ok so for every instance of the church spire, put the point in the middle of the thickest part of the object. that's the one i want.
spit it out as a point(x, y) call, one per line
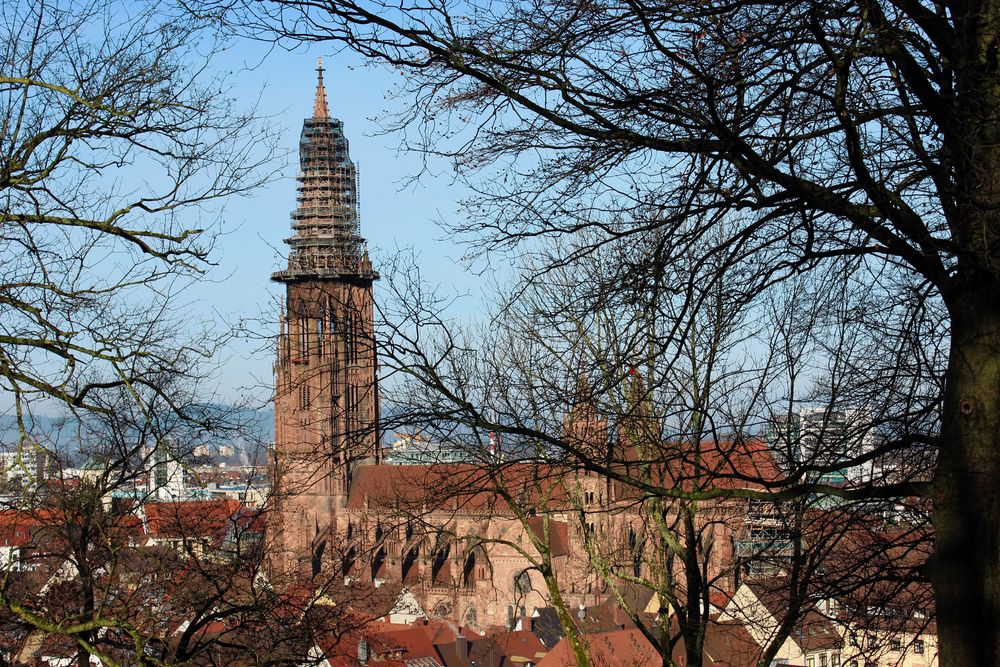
point(326, 236)
point(320, 109)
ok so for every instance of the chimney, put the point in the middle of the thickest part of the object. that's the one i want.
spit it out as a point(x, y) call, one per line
point(462, 647)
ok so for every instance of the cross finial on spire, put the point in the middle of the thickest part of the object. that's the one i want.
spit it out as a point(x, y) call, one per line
point(320, 110)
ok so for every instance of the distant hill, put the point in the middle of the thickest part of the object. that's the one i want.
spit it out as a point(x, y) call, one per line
point(247, 431)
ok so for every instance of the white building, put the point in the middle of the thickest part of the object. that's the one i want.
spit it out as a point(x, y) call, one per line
point(24, 466)
point(827, 438)
point(166, 473)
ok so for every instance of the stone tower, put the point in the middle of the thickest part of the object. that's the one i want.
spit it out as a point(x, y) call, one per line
point(326, 391)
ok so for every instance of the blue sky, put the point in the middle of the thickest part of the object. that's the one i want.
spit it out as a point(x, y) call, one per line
point(394, 214)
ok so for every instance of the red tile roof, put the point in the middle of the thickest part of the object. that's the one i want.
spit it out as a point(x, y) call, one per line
point(729, 645)
point(406, 642)
point(463, 487)
point(190, 519)
point(16, 528)
point(519, 644)
point(623, 648)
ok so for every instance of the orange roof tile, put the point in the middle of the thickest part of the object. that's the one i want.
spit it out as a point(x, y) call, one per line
point(189, 519)
point(625, 648)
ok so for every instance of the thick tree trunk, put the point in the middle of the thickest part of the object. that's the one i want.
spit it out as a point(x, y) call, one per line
point(965, 569)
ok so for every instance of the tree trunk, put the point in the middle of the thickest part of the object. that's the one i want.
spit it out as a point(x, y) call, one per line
point(965, 569)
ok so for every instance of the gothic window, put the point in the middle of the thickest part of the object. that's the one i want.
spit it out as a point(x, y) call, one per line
point(440, 571)
point(378, 564)
point(304, 397)
point(347, 565)
point(409, 571)
point(320, 333)
point(469, 573)
point(356, 321)
point(349, 337)
point(303, 339)
point(522, 583)
point(354, 324)
point(317, 557)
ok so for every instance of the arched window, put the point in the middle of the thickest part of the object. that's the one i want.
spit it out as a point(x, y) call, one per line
point(348, 563)
point(409, 571)
point(303, 339)
point(441, 569)
point(378, 564)
point(320, 333)
point(469, 573)
point(522, 583)
point(470, 617)
point(317, 557)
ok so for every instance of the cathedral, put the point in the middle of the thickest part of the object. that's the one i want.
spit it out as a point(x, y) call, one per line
point(465, 548)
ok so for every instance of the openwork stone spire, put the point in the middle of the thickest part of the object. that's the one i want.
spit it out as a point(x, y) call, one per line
point(326, 238)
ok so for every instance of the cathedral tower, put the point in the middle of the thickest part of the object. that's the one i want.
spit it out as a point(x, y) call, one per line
point(326, 391)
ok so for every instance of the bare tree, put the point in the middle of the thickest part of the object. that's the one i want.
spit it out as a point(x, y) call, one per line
point(116, 141)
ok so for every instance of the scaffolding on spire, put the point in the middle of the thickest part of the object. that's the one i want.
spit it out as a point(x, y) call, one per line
point(326, 239)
